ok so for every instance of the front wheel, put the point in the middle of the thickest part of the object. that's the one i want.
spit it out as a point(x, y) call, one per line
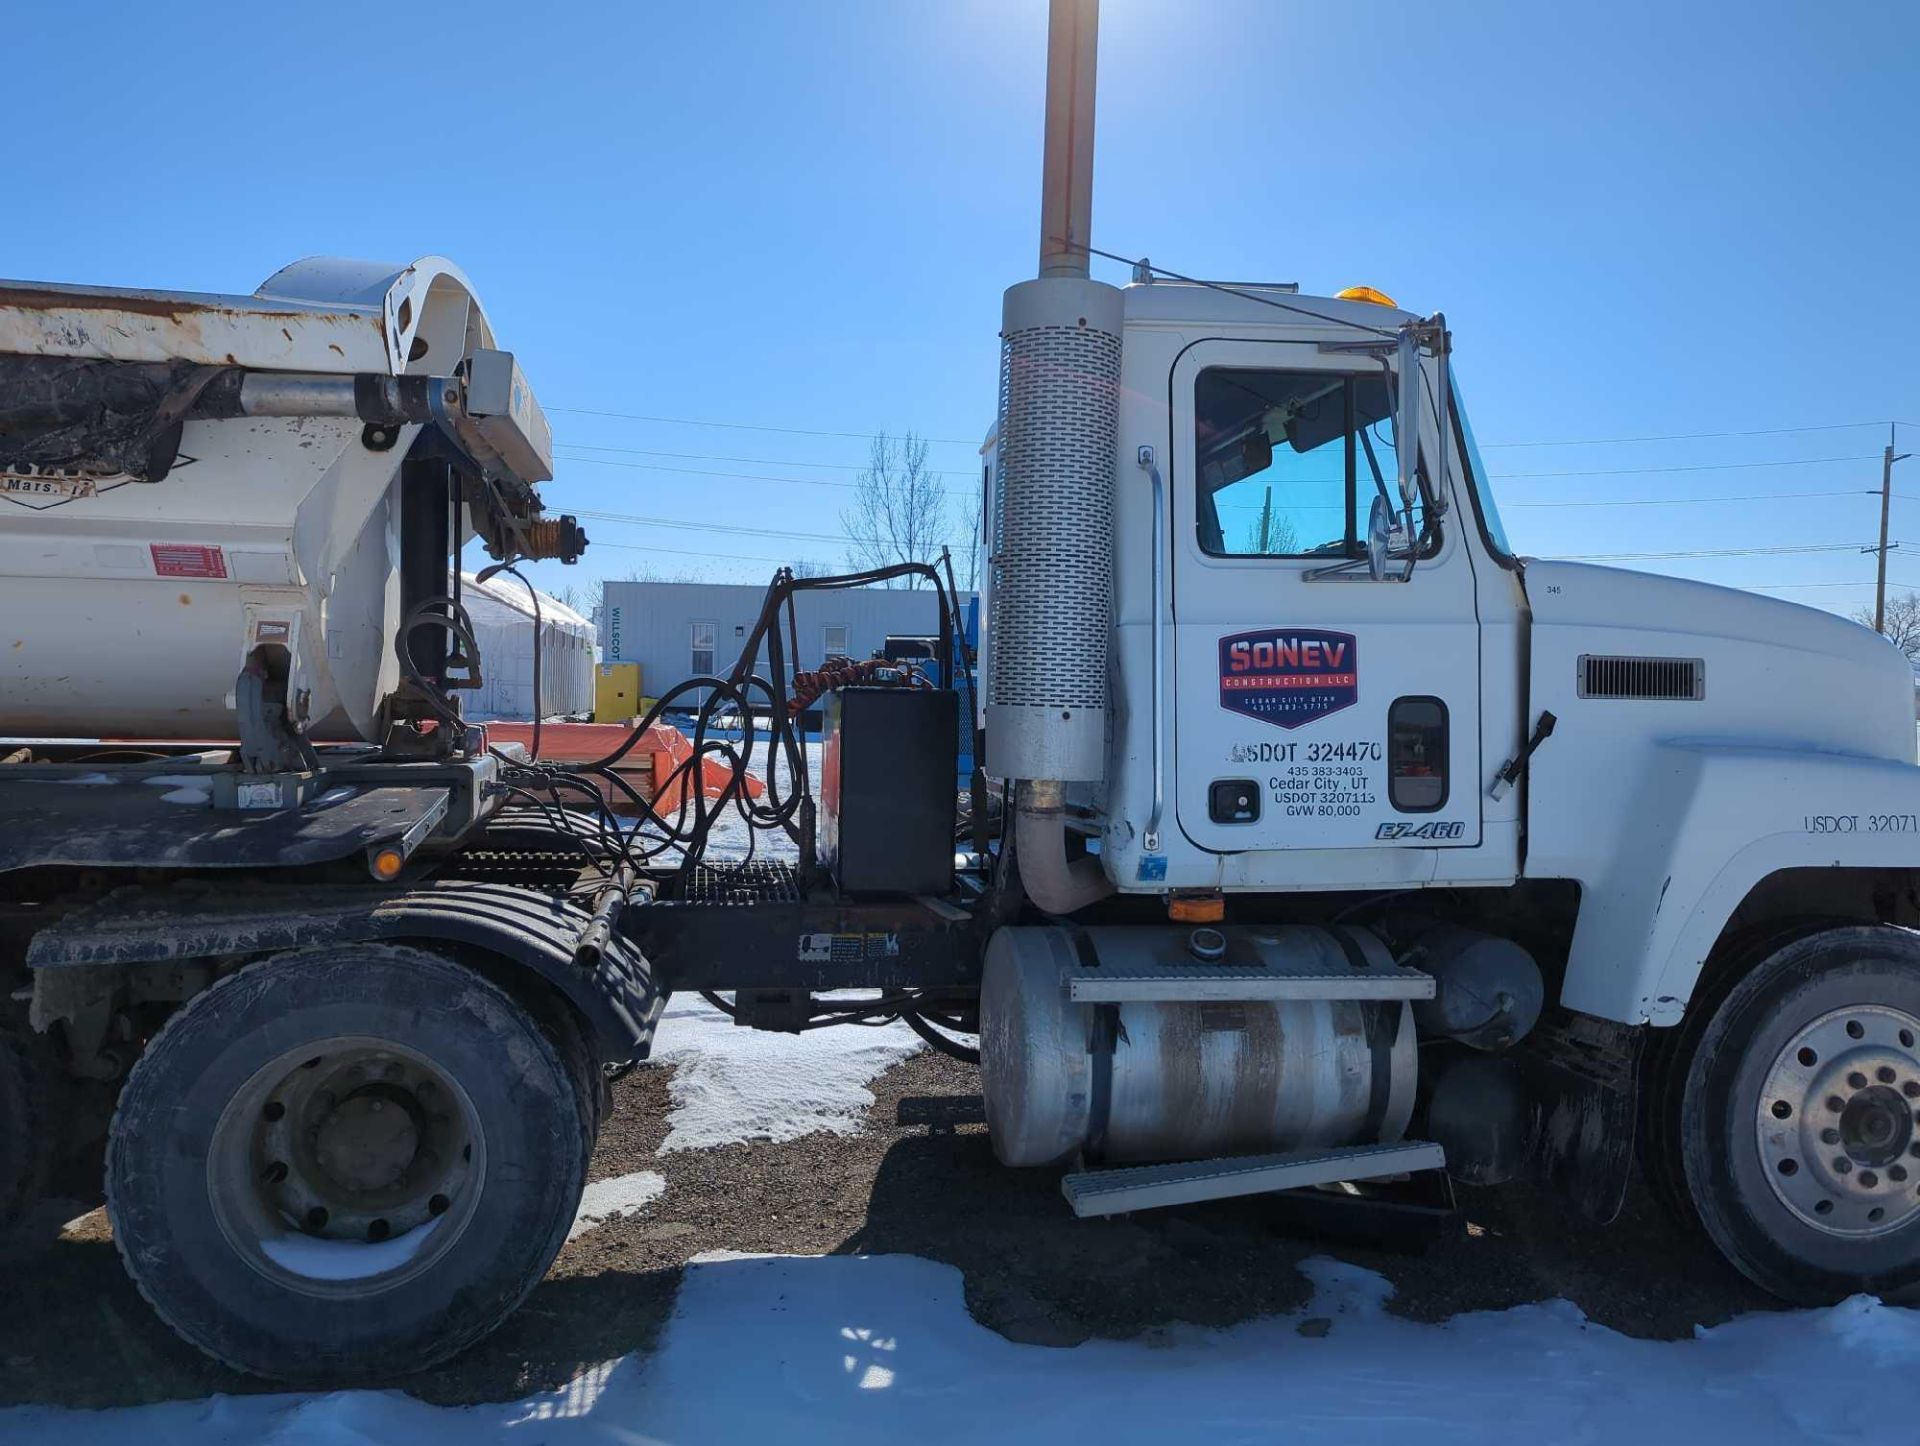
point(348, 1162)
point(1797, 1124)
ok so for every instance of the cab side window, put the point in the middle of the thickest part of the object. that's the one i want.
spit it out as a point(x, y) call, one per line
point(1288, 462)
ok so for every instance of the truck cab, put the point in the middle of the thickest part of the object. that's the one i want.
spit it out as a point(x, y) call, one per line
point(1259, 648)
point(1288, 717)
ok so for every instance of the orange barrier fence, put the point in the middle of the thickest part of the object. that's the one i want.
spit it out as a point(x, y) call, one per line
point(653, 767)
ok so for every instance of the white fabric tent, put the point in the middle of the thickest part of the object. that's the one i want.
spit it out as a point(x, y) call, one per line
point(503, 626)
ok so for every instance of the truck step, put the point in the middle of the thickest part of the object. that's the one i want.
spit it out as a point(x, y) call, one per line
point(1123, 982)
point(1148, 1187)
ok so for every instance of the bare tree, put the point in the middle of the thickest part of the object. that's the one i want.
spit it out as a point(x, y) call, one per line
point(899, 510)
point(808, 567)
point(1902, 625)
point(648, 572)
point(1271, 533)
point(968, 564)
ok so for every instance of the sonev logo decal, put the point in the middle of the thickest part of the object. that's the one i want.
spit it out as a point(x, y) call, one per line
point(1288, 676)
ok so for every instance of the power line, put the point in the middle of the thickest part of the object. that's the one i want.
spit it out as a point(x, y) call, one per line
point(1588, 557)
point(1694, 467)
point(634, 520)
point(756, 461)
point(686, 552)
point(968, 492)
point(1685, 436)
point(739, 476)
point(975, 442)
point(1560, 557)
point(954, 472)
point(749, 426)
point(1678, 501)
point(630, 519)
point(1708, 552)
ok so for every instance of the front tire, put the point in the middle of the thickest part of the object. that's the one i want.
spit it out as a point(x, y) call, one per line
point(1797, 1128)
point(344, 1163)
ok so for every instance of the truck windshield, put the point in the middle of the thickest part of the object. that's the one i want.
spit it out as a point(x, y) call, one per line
point(1491, 527)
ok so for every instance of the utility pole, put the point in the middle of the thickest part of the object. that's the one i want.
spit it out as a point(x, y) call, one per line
point(1887, 459)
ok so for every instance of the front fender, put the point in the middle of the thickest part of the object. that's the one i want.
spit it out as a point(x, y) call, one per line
point(1710, 821)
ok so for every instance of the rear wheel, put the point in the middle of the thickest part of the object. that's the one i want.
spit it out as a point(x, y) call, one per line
point(1797, 1127)
point(346, 1162)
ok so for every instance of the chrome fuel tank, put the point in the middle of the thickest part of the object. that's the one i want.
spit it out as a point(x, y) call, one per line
point(1181, 1079)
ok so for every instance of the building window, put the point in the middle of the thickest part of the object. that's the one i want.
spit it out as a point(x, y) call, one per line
point(702, 649)
point(833, 640)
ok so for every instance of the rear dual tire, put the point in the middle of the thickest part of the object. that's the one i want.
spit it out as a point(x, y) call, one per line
point(347, 1163)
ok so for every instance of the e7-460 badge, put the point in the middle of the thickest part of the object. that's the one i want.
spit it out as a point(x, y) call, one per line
point(1401, 832)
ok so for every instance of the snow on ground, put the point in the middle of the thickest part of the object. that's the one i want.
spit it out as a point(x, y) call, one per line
point(844, 1349)
point(605, 1200)
point(732, 1084)
point(729, 836)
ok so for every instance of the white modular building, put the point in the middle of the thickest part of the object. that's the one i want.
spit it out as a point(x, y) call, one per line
point(677, 630)
point(503, 625)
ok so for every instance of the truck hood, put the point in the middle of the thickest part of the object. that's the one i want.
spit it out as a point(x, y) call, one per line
point(1773, 672)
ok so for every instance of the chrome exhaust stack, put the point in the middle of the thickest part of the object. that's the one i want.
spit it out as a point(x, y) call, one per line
point(1052, 528)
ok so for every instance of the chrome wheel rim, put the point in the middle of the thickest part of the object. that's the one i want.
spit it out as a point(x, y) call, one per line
point(346, 1167)
point(1839, 1122)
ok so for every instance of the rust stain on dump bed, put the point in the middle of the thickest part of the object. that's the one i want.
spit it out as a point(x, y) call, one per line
point(164, 308)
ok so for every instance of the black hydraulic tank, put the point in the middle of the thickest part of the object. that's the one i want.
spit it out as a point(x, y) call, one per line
point(887, 787)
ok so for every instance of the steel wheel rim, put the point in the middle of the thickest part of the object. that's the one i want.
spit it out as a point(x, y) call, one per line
point(1838, 1122)
point(346, 1167)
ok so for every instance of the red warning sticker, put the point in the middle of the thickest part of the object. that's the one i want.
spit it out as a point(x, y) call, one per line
point(187, 559)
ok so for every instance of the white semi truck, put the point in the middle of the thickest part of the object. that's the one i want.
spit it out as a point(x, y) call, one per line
point(1340, 845)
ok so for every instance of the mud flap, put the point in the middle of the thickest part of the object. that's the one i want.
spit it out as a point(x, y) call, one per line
point(1582, 1079)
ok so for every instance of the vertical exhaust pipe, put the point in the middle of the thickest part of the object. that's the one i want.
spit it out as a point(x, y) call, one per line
point(1066, 175)
point(1052, 590)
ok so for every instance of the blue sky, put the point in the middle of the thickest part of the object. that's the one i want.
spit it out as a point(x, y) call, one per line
point(1641, 220)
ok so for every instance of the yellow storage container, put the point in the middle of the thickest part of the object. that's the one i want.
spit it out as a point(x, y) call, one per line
point(616, 692)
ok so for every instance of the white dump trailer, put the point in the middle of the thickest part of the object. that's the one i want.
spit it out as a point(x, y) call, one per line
point(185, 477)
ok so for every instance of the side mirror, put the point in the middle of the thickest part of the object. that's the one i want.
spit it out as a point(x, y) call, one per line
point(1406, 415)
point(1379, 538)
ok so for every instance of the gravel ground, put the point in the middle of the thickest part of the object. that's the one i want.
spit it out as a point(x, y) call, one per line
point(919, 1180)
